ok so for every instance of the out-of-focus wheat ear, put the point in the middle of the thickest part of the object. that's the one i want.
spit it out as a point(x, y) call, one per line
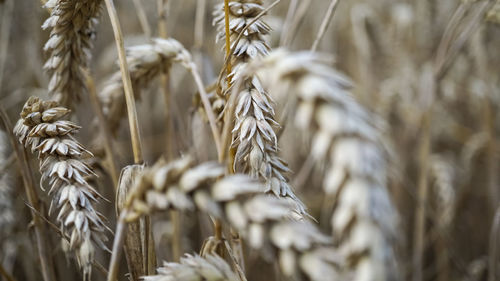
point(253, 137)
point(264, 221)
point(145, 63)
point(349, 139)
point(194, 267)
point(72, 25)
point(42, 128)
point(133, 246)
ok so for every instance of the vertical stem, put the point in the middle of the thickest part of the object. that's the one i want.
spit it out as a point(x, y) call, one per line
point(324, 24)
point(127, 83)
point(103, 127)
point(228, 41)
point(143, 19)
point(419, 240)
point(493, 247)
point(149, 258)
point(44, 254)
point(117, 247)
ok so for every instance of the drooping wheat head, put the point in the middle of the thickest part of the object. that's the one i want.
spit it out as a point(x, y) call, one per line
point(145, 63)
point(346, 136)
point(264, 221)
point(72, 24)
point(254, 136)
point(43, 129)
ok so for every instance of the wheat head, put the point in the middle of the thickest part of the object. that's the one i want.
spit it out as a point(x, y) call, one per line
point(43, 129)
point(348, 138)
point(264, 221)
point(254, 136)
point(72, 24)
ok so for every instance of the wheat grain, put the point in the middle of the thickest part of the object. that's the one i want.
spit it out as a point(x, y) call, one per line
point(209, 268)
point(254, 137)
point(43, 129)
point(264, 221)
point(348, 137)
point(72, 24)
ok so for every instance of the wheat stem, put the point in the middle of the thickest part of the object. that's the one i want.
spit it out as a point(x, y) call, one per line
point(44, 253)
point(324, 24)
point(120, 233)
point(228, 42)
point(143, 19)
point(5, 35)
point(127, 83)
point(103, 127)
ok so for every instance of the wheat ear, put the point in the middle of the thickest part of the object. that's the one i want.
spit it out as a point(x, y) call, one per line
point(264, 221)
point(254, 137)
point(145, 63)
point(348, 137)
point(209, 268)
point(72, 24)
point(43, 129)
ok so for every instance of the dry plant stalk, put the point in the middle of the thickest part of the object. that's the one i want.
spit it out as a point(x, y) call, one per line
point(6, 192)
point(209, 268)
point(264, 221)
point(133, 242)
point(346, 136)
point(43, 130)
point(254, 136)
point(72, 24)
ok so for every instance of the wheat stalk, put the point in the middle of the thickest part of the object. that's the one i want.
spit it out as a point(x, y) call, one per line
point(264, 221)
point(254, 137)
point(6, 194)
point(194, 267)
point(72, 24)
point(348, 138)
point(43, 129)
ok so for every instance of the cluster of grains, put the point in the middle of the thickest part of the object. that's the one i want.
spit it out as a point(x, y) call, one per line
point(264, 221)
point(6, 206)
point(145, 63)
point(348, 138)
point(254, 137)
point(43, 129)
point(72, 24)
point(209, 268)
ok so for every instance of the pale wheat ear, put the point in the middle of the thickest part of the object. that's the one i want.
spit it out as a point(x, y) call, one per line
point(263, 221)
point(254, 140)
point(349, 139)
point(72, 25)
point(43, 128)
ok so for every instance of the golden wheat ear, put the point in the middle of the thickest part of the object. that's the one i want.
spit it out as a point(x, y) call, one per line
point(349, 139)
point(43, 129)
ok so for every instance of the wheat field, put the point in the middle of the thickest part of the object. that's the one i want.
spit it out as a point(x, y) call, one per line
point(190, 140)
